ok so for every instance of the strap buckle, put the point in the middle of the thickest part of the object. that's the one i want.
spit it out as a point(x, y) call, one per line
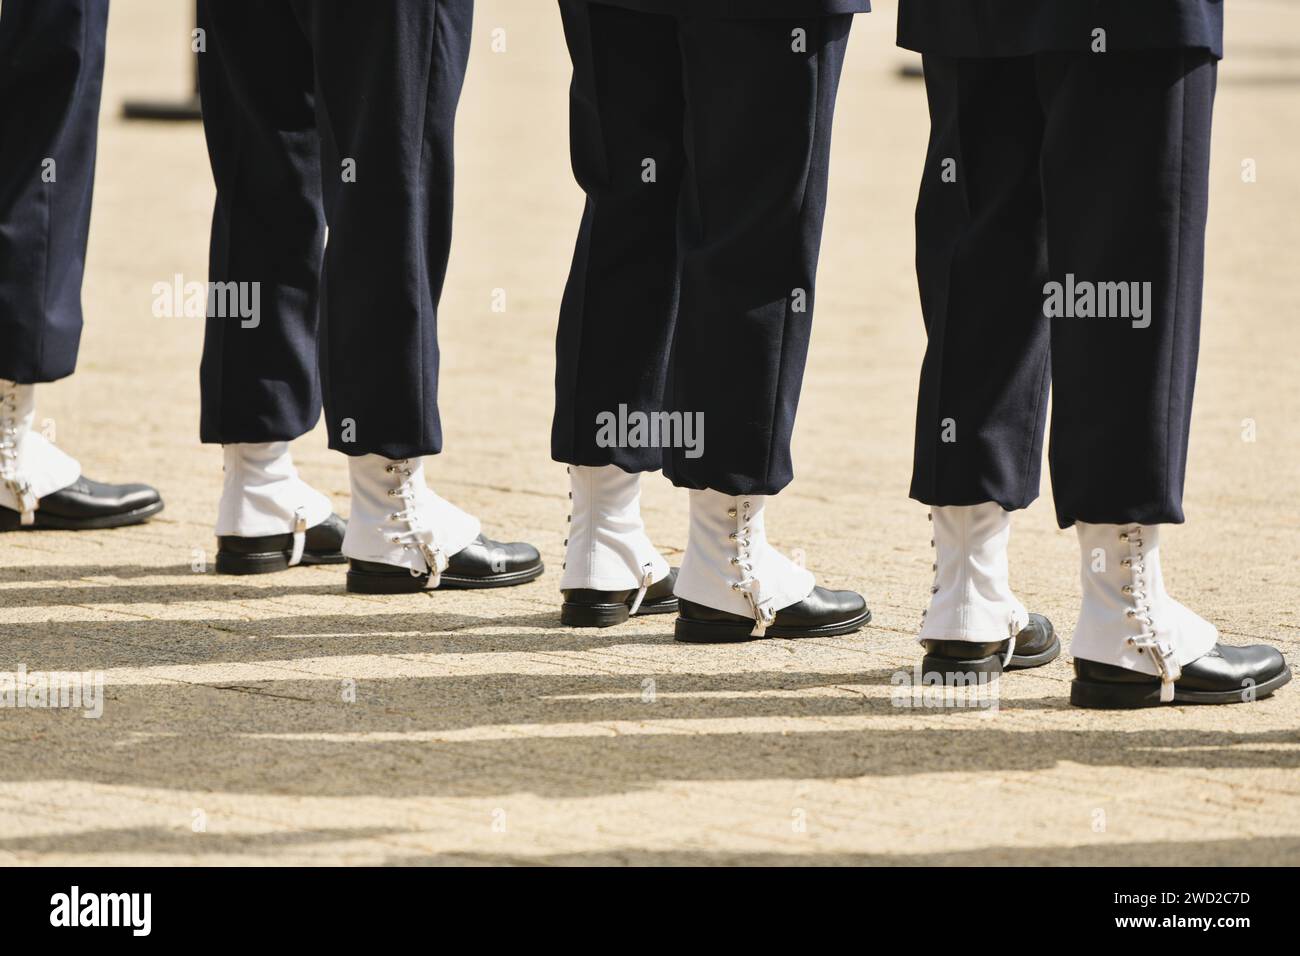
point(1162, 653)
point(299, 538)
point(27, 502)
point(647, 579)
point(434, 556)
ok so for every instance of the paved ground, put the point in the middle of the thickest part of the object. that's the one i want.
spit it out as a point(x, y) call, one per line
point(484, 732)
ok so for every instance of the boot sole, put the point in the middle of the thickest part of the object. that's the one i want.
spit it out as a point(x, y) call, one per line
point(1020, 662)
point(723, 632)
point(366, 582)
point(267, 562)
point(453, 582)
point(10, 520)
point(607, 615)
point(1104, 695)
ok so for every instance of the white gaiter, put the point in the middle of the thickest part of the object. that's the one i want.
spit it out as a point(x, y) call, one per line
point(607, 548)
point(1127, 617)
point(396, 519)
point(262, 493)
point(729, 565)
point(971, 597)
point(31, 467)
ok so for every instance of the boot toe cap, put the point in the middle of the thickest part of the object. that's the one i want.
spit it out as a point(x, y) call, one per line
point(1257, 662)
point(513, 555)
point(86, 498)
point(1037, 636)
point(484, 557)
point(823, 606)
point(328, 535)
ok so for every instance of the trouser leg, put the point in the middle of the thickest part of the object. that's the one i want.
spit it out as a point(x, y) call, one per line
point(1125, 178)
point(760, 97)
point(259, 376)
point(388, 79)
point(51, 69)
point(616, 318)
point(981, 263)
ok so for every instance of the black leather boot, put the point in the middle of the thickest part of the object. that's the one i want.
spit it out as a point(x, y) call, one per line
point(261, 555)
point(824, 613)
point(1224, 675)
point(484, 563)
point(1036, 645)
point(87, 505)
point(584, 607)
point(31, 465)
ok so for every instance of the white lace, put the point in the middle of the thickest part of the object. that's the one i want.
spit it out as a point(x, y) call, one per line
point(421, 539)
point(568, 521)
point(9, 439)
point(749, 585)
point(934, 566)
point(1162, 651)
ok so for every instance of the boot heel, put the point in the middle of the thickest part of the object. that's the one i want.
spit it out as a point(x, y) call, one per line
point(593, 615)
point(959, 673)
point(711, 632)
point(365, 582)
point(232, 562)
point(1099, 695)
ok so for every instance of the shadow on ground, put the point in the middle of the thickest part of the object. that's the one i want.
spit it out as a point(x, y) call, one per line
point(302, 738)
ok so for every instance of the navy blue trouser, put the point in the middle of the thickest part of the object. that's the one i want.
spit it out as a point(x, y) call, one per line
point(1061, 165)
point(692, 281)
point(335, 114)
point(51, 70)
